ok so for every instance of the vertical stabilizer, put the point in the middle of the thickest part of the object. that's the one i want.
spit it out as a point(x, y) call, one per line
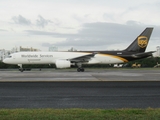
point(141, 42)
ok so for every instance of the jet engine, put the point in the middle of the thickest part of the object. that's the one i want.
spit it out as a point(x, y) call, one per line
point(63, 64)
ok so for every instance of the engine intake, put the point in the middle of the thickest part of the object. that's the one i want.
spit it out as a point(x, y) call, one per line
point(63, 64)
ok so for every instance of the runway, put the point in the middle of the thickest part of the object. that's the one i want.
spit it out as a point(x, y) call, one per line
point(106, 95)
point(89, 75)
point(108, 89)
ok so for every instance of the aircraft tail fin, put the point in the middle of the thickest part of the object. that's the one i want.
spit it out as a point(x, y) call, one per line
point(141, 42)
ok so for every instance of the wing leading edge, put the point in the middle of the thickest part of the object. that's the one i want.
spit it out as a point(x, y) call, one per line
point(82, 59)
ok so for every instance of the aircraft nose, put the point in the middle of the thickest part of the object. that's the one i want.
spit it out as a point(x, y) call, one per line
point(5, 61)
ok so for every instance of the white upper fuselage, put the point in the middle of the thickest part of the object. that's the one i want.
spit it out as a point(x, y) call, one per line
point(51, 57)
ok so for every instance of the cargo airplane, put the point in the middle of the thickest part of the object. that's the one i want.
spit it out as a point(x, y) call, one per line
point(136, 50)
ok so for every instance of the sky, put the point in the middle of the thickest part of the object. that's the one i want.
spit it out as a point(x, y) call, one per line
point(81, 24)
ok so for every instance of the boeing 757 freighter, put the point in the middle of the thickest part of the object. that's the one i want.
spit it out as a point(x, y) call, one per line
point(136, 50)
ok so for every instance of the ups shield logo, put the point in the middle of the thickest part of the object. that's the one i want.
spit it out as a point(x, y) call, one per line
point(142, 41)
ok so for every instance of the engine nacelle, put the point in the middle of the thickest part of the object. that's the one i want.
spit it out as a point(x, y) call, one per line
point(63, 64)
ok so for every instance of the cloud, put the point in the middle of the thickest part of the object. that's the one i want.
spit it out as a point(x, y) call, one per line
point(41, 22)
point(46, 44)
point(21, 20)
point(98, 34)
point(77, 23)
point(134, 23)
point(52, 34)
point(3, 30)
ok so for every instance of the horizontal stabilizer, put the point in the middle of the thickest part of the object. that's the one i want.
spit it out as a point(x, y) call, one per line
point(141, 55)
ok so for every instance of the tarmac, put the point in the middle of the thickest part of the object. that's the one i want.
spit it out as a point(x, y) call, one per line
point(89, 75)
point(95, 88)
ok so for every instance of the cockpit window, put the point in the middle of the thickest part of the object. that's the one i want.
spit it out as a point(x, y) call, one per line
point(9, 56)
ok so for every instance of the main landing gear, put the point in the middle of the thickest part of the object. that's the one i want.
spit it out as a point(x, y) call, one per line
point(80, 69)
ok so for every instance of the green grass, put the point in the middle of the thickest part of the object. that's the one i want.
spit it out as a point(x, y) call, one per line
point(80, 114)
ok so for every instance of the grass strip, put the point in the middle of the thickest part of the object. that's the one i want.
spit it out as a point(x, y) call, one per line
point(80, 114)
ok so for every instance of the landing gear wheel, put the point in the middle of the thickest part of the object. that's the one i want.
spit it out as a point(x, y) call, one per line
point(80, 69)
point(21, 70)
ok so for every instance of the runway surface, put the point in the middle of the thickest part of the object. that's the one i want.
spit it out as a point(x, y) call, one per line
point(89, 75)
point(106, 95)
point(112, 88)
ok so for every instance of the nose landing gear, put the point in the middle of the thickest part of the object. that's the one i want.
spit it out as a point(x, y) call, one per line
point(20, 67)
point(80, 69)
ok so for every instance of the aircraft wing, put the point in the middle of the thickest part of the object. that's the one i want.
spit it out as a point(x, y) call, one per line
point(84, 58)
point(139, 55)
